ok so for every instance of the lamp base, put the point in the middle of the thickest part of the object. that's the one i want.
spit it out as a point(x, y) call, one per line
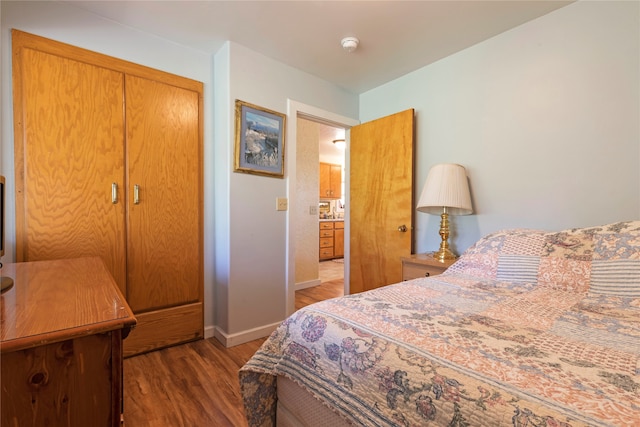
point(444, 254)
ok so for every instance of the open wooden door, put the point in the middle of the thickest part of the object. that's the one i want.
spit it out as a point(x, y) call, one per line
point(381, 200)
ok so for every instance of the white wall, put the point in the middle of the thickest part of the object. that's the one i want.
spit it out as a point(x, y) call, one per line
point(545, 118)
point(251, 236)
point(307, 233)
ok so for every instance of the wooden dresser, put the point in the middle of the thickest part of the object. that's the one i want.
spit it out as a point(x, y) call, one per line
point(62, 325)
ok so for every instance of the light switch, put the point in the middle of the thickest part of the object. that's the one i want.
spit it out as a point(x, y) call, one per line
point(282, 204)
point(313, 210)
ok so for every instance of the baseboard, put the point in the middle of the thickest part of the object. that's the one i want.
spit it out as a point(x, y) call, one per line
point(209, 332)
point(230, 340)
point(307, 284)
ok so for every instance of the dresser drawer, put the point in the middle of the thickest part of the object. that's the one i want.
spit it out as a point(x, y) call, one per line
point(422, 265)
point(326, 253)
point(326, 233)
point(326, 243)
point(327, 225)
point(413, 271)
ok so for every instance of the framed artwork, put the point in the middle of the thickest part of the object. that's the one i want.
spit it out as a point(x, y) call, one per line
point(259, 140)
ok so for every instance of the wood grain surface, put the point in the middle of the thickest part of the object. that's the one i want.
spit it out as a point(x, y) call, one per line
point(86, 123)
point(69, 151)
point(58, 300)
point(381, 198)
point(62, 328)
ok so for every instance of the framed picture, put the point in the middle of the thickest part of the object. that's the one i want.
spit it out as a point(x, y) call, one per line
point(259, 140)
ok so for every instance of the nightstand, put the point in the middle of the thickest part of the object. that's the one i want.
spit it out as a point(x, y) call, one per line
point(422, 265)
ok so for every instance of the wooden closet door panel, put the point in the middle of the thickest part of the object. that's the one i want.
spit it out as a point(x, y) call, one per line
point(69, 150)
point(165, 227)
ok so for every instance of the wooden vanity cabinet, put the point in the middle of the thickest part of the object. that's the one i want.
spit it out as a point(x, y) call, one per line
point(338, 239)
point(331, 240)
point(326, 240)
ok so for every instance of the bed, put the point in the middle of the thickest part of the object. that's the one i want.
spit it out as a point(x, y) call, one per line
point(527, 328)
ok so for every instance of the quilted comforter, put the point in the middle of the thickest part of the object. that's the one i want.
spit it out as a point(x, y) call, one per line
point(527, 328)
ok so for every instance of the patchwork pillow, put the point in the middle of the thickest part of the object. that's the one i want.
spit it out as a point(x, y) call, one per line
point(519, 259)
point(616, 260)
point(566, 260)
point(507, 255)
point(599, 260)
point(616, 277)
point(479, 260)
point(518, 268)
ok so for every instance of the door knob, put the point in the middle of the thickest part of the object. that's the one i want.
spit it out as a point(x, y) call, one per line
point(402, 228)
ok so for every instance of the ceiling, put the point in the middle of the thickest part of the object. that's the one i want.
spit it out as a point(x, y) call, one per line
point(396, 37)
point(326, 135)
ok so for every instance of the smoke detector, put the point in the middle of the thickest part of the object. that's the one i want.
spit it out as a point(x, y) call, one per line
point(350, 44)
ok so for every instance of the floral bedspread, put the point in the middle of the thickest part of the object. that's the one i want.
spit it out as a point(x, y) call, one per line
point(469, 348)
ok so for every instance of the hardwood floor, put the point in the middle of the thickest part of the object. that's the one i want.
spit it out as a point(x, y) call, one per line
point(331, 289)
point(196, 384)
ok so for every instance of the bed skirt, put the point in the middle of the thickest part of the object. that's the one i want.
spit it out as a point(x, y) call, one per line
point(297, 408)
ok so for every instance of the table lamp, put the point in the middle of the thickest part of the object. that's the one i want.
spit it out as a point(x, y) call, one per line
point(446, 191)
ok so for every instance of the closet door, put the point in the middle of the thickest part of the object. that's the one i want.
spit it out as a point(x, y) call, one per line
point(69, 151)
point(109, 163)
point(164, 208)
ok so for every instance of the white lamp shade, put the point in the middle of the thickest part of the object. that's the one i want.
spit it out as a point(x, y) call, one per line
point(446, 187)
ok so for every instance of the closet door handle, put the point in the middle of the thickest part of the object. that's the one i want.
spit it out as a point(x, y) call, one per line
point(136, 194)
point(114, 193)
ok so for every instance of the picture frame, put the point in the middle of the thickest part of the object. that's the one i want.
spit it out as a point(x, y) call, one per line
point(260, 139)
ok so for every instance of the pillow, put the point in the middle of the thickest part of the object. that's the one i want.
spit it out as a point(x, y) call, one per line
point(508, 255)
point(615, 268)
point(566, 260)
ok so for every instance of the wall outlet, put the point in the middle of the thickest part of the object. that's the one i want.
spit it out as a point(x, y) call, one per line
point(282, 204)
point(313, 210)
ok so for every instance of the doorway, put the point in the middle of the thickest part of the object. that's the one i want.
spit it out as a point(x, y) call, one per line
point(332, 145)
point(320, 193)
point(303, 209)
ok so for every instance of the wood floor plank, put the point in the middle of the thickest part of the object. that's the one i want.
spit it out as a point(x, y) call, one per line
point(326, 290)
point(196, 384)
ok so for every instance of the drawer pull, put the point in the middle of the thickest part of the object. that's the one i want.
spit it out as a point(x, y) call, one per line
point(136, 194)
point(427, 274)
point(114, 193)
